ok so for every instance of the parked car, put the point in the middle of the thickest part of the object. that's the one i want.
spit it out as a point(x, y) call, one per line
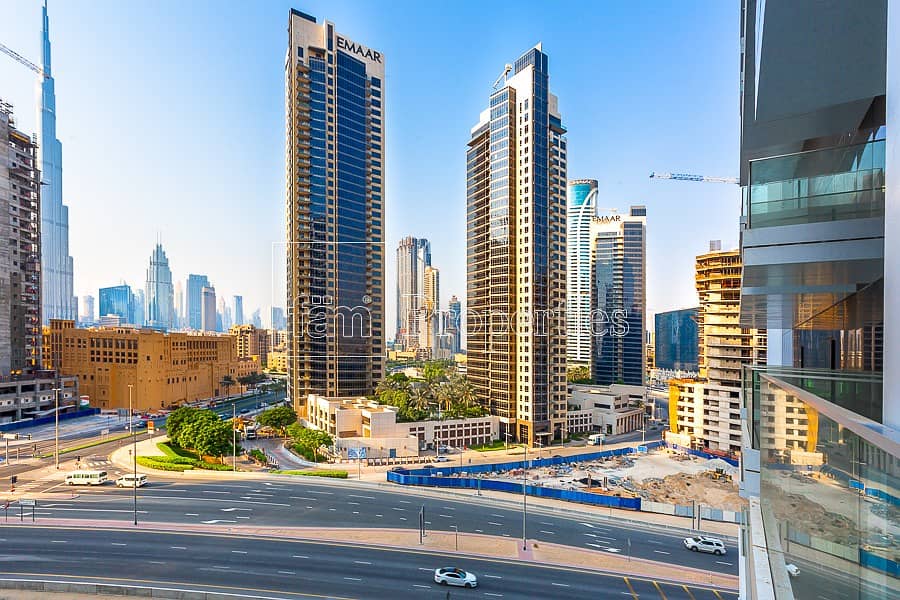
point(454, 576)
point(705, 544)
point(441, 459)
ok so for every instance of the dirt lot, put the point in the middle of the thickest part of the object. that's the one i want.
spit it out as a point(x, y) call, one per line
point(702, 488)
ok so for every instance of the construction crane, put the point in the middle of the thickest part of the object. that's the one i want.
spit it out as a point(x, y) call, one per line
point(688, 177)
point(22, 60)
point(503, 75)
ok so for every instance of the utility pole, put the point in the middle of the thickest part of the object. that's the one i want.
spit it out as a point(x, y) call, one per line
point(524, 496)
point(133, 448)
point(233, 437)
point(56, 429)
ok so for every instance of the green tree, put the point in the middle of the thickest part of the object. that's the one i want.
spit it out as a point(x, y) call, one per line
point(209, 438)
point(194, 421)
point(579, 374)
point(434, 371)
point(279, 417)
point(176, 420)
point(309, 440)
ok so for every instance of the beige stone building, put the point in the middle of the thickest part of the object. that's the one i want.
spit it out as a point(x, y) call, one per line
point(166, 369)
point(251, 342)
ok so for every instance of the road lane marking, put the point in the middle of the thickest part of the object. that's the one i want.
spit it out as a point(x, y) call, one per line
point(559, 584)
point(424, 569)
point(212, 492)
point(718, 595)
point(720, 562)
point(593, 535)
point(288, 572)
point(156, 562)
point(550, 532)
point(396, 508)
point(228, 500)
point(239, 552)
point(630, 588)
point(496, 515)
point(191, 514)
point(299, 556)
point(300, 498)
point(379, 515)
point(662, 552)
point(402, 518)
point(479, 531)
point(119, 544)
point(492, 576)
point(353, 503)
point(214, 521)
point(492, 523)
point(321, 493)
point(654, 542)
point(494, 595)
point(448, 508)
point(659, 589)
point(352, 578)
point(404, 501)
point(178, 547)
point(359, 496)
point(446, 516)
point(355, 512)
point(332, 509)
point(546, 523)
point(427, 587)
point(234, 509)
point(362, 562)
point(59, 542)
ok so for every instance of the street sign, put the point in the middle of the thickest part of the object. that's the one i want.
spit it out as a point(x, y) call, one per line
point(26, 502)
point(104, 432)
point(151, 428)
point(10, 436)
point(356, 453)
point(642, 449)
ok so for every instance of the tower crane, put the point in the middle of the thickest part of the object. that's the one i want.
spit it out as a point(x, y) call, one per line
point(688, 177)
point(503, 75)
point(22, 60)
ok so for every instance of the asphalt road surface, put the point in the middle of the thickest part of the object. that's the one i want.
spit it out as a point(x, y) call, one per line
point(265, 568)
point(304, 503)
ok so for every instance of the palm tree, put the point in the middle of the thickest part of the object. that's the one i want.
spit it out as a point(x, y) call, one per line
point(419, 398)
point(227, 382)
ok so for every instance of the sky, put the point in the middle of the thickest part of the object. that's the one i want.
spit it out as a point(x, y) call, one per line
point(171, 117)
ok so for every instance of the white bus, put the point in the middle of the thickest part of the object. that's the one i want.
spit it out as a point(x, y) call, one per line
point(596, 439)
point(86, 478)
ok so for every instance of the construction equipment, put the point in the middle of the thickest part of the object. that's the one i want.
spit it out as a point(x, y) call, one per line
point(506, 71)
point(689, 177)
point(22, 60)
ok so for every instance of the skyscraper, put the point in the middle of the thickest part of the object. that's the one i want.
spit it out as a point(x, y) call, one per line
point(581, 208)
point(87, 310)
point(117, 300)
point(335, 212)
point(278, 322)
point(56, 264)
point(179, 305)
point(139, 308)
point(516, 253)
point(208, 313)
point(413, 257)
point(20, 236)
point(160, 299)
point(256, 319)
point(453, 329)
point(193, 301)
point(675, 341)
point(619, 298)
point(429, 330)
point(238, 310)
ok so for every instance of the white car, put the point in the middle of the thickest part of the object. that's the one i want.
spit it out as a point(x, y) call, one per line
point(139, 480)
point(705, 544)
point(441, 459)
point(454, 576)
point(792, 569)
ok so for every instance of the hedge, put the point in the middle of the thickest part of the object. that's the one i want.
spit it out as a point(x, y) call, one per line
point(334, 474)
point(147, 461)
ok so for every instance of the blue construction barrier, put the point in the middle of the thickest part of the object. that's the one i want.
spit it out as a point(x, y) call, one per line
point(876, 562)
point(85, 412)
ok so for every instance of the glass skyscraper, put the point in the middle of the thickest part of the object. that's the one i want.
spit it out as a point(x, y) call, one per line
point(619, 298)
point(193, 301)
point(57, 294)
point(160, 293)
point(516, 254)
point(117, 300)
point(581, 210)
point(335, 212)
point(676, 340)
point(413, 257)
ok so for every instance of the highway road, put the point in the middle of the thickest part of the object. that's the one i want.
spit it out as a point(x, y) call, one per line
point(267, 568)
point(310, 503)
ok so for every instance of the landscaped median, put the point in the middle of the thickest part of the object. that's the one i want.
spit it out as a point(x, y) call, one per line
point(178, 459)
point(323, 473)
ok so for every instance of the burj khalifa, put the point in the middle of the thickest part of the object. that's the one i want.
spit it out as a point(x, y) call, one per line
point(58, 301)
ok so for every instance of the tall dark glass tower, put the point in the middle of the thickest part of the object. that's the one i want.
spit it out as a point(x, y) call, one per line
point(335, 212)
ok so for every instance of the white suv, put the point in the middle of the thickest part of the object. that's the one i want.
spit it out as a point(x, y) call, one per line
point(705, 544)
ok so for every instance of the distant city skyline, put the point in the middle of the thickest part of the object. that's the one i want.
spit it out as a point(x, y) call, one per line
point(196, 198)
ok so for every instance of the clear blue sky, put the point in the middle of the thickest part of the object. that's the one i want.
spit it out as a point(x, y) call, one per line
point(171, 117)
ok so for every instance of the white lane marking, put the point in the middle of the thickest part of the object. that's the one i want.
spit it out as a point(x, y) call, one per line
point(550, 532)
point(192, 514)
point(220, 567)
point(299, 556)
point(396, 508)
point(492, 523)
point(214, 521)
point(242, 517)
point(119, 544)
point(228, 500)
point(404, 501)
point(178, 547)
point(662, 552)
point(379, 515)
point(593, 535)
point(479, 531)
point(427, 587)
point(321, 493)
point(352, 578)
point(402, 518)
point(496, 515)
point(212, 492)
point(492, 576)
point(234, 509)
point(719, 562)
point(353, 503)
point(359, 496)
point(109, 510)
point(559, 584)
point(655, 542)
point(546, 523)
point(494, 595)
point(448, 508)
point(424, 569)
point(59, 542)
point(300, 498)
point(587, 525)
point(239, 552)
point(288, 572)
point(156, 562)
point(428, 522)
point(362, 562)
point(446, 516)
point(355, 512)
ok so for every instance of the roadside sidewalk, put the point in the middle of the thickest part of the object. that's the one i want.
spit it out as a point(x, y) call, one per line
point(473, 545)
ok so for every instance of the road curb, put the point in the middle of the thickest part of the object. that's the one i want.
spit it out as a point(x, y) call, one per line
point(117, 589)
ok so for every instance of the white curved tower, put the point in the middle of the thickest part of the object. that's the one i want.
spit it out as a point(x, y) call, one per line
point(581, 209)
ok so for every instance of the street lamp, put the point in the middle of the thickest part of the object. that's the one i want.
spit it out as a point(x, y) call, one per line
point(524, 496)
point(133, 448)
point(233, 438)
point(456, 531)
point(56, 434)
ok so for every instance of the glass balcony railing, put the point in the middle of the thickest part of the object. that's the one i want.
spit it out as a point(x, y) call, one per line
point(829, 487)
point(821, 185)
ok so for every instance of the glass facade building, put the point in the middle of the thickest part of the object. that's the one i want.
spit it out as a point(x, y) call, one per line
point(193, 301)
point(618, 311)
point(117, 300)
point(676, 341)
point(335, 212)
point(413, 257)
point(581, 210)
point(160, 294)
point(820, 445)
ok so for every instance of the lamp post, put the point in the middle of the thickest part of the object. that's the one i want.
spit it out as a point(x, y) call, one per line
point(233, 438)
point(456, 532)
point(524, 496)
point(133, 448)
point(56, 428)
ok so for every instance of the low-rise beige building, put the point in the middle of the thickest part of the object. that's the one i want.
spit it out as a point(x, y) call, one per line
point(359, 422)
point(613, 409)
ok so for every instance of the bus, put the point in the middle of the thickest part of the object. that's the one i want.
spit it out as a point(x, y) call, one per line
point(86, 478)
point(596, 439)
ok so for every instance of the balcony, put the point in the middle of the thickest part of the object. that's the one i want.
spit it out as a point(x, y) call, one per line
point(828, 483)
